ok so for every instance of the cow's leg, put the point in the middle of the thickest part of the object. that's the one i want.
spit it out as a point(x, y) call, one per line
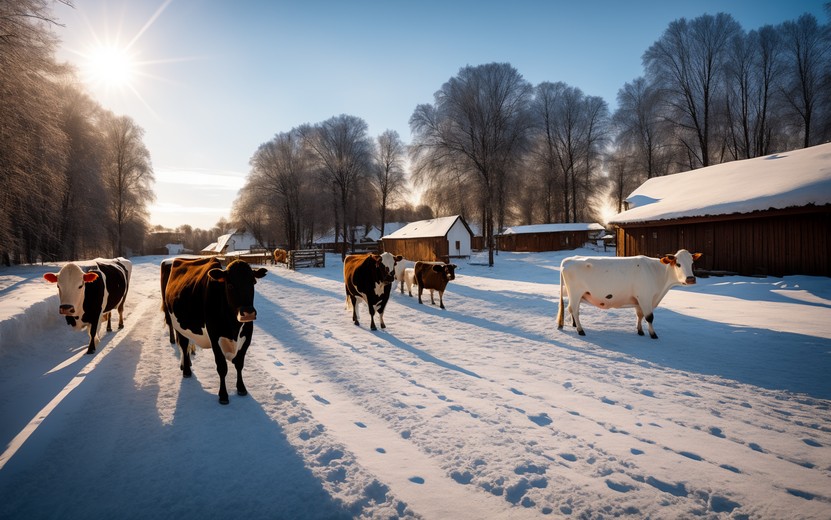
point(574, 310)
point(222, 371)
point(109, 324)
point(639, 312)
point(647, 311)
point(239, 359)
point(432, 301)
point(420, 290)
point(184, 363)
point(371, 316)
point(93, 335)
point(441, 299)
point(354, 302)
point(121, 315)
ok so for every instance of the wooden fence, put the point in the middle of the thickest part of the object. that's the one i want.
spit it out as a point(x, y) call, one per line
point(306, 258)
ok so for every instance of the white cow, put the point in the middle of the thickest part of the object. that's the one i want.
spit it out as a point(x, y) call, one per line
point(409, 280)
point(613, 282)
point(402, 263)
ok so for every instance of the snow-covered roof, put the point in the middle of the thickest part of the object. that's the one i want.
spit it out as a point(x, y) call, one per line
point(436, 227)
point(779, 181)
point(552, 228)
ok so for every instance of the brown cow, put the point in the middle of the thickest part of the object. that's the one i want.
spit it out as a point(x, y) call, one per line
point(281, 256)
point(433, 276)
point(368, 277)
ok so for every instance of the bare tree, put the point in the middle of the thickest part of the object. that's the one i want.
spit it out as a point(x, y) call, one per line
point(390, 178)
point(478, 125)
point(640, 127)
point(688, 63)
point(343, 151)
point(278, 170)
point(128, 177)
point(808, 49)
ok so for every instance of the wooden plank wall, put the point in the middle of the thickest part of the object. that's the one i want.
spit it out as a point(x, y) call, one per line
point(777, 245)
point(424, 249)
point(536, 242)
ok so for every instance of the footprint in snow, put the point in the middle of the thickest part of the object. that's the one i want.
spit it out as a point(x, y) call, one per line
point(359, 424)
point(416, 480)
point(320, 399)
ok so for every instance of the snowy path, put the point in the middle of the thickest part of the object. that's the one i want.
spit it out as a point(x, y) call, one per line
point(482, 410)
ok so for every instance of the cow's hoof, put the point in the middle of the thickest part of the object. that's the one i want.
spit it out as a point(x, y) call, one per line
point(356, 323)
point(224, 400)
point(559, 327)
point(121, 326)
point(242, 392)
point(653, 336)
point(90, 351)
point(640, 333)
point(374, 327)
point(581, 332)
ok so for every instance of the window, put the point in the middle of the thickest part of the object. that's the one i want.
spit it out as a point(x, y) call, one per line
point(458, 245)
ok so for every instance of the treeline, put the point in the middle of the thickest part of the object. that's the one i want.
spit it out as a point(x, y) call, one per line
point(500, 151)
point(76, 179)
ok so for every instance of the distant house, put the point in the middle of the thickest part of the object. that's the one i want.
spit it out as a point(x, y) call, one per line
point(238, 241)
point(764, 216)
point(431, 240)
point(548, 237)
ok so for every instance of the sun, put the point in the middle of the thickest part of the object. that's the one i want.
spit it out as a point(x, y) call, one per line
point(109, 66)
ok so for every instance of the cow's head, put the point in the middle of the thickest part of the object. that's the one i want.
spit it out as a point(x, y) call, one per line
point(384, 268)
point(239, 279)
point(71, 280)
point(682, 261)
point(448, 271)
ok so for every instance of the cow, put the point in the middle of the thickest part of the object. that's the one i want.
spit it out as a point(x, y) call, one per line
point(401, 264)
point(433, 276)
point(409, 279)
point(614, 282)
point(368, 277)
point(211, 307)
point(89, 293)
point(281, 256)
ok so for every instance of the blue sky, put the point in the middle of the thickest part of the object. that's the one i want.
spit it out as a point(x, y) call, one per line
point(214, 79)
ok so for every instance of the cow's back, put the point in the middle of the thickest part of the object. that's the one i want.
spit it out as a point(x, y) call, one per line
point(187, 289)
point(619, 277)
point(116, 279)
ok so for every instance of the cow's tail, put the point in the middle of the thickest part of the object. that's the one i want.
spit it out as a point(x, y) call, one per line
point(560, 308)
point(348, 303)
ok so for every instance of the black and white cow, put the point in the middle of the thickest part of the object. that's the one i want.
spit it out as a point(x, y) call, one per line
point(90, 292)
point(212, 308)
point(368, 277)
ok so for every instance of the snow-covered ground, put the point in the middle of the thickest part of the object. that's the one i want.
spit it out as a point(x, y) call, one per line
point(484, 410)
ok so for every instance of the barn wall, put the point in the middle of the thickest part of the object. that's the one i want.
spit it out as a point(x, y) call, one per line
point(426, 249)
point(536, 242)
point(777, 245)
point(458, 233)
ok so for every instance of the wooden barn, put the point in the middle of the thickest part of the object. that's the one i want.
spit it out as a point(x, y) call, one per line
point(764, 216)
point(438, 239)
point(547, 237)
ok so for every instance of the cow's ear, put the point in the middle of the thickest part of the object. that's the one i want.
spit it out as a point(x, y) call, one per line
point(454, 266)
point(217, 274)
point(51, 277)
point(399, 258)
point(439, 268)
point(90, 277)
point(696, 256)
point(259, 273)
point(668, 259)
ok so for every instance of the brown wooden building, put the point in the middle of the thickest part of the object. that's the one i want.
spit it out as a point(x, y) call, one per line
point(438, 239)
point(764, 216)
point(547, 237)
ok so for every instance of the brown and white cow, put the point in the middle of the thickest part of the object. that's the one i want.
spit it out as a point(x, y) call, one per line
point(212, 308)
point(433, 276)
point(281, 256)
point(614, 282)
point(90, 292)
point(369, 278)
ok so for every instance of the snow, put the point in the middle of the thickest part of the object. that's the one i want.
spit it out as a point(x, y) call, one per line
point(435, 227)
point(779, 181)
point(552, 228)
point(484, 410)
